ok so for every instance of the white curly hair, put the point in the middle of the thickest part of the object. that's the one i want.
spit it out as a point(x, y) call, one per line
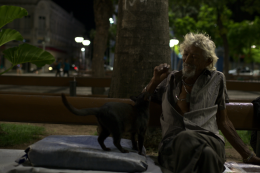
point(204, 42)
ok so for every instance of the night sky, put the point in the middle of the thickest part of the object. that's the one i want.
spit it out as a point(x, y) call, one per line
point(82, 10)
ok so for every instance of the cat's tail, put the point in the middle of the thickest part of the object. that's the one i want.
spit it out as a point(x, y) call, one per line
point(81, 112)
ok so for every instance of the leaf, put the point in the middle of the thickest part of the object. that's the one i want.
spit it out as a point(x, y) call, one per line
point(28, 53)
point(7, 35)
point(9, 13)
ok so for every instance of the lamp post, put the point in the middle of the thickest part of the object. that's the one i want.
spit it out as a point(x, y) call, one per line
point(83, 56)
point(111, 20)
point(86, 43)
point(45, 40)
point(79, 40)
point(172, 43)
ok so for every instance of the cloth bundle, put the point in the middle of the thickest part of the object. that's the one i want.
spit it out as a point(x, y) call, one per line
point(84, 152)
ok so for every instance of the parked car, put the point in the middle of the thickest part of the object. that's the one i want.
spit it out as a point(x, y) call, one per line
point(256, 72)
point(108, 68)
point(241, 71)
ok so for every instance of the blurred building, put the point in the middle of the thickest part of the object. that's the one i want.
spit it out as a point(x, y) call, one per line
point(47, 26)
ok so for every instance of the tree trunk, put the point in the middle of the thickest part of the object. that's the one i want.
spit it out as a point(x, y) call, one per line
point(142, 43)
point(225, 44)
point(103, 10)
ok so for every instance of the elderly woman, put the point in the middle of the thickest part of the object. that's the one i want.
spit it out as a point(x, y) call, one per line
point(193, 103)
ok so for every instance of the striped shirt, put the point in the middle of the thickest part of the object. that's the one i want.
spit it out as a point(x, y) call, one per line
point(208, 95)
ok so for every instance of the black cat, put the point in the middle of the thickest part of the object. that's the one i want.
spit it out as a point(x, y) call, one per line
point(117, 118)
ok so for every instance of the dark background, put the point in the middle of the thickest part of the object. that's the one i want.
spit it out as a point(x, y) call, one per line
point(81, 9)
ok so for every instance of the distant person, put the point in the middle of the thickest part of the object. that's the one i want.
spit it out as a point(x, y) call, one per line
point(66, 68)
point(58, 67)
point(19, 69)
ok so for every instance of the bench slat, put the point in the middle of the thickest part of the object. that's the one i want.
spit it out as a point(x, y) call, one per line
point(50, 109)
point(243, 85)
point(54, 81)
point(100, 82)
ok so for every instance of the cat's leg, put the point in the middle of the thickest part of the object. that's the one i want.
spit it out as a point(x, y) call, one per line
point(134, 143)
point(101, 138)
point(140, 143)
point(116, 139)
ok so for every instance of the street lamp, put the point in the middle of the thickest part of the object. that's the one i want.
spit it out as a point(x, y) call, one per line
point(111, 20)
point(86, 42)
point(83, 56)
point(172, 43)
point(79, 39)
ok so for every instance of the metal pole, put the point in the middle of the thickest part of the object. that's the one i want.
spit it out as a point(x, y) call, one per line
point(84, 61)
point(43, 47)
point(175, 61)
point(73, 87)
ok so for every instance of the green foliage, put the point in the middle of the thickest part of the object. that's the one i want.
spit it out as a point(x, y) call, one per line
point(176, 49)
point(18, 134)
point(92, 34)
point(242, 36)
point(255, 53)
point(213, 18)
point(95, 133)
point(171, 18)
point(251, 6)
point(153, 138)
point(9, 13)
point(112, 36)
point(182, 26)
point(24, 52)
point(207, 21)
point(7, 35)
point(245, 135)
point(204, 22)
point(29, 53)
point(112, 31)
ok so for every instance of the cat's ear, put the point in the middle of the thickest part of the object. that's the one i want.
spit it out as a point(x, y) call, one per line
point(133, 98)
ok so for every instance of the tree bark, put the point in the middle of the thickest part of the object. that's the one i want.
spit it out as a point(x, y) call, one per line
point(103, 10)
point(142, 42)
point(225, 44)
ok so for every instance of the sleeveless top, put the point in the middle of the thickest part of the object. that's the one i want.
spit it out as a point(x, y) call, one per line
point(207, 96)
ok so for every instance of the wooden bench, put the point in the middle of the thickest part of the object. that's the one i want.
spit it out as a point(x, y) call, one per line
point(99, 82)
point(50, 109)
